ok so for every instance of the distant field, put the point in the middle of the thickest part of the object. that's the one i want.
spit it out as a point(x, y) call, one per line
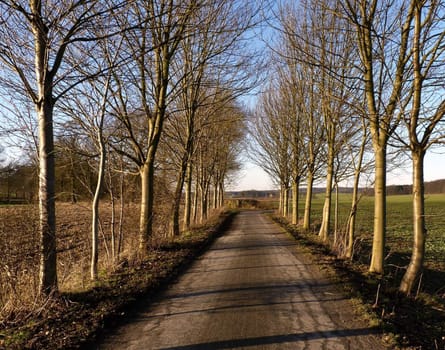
point(399, 223)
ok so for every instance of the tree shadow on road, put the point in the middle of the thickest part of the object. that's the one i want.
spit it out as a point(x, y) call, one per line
point(277, 339)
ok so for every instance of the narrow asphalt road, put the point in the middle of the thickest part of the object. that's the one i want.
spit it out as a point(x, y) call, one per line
point(250, 290)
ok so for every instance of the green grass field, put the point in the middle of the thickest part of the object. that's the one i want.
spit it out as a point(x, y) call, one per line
point(399, 229)
point(399, 223)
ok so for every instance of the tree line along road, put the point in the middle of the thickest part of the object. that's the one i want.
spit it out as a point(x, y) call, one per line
point(250, 290)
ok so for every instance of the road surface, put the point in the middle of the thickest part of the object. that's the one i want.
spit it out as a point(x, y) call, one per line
point(250, 290)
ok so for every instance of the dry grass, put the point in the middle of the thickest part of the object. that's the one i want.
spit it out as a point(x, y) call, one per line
point(82, 308)
point(19, 261)
point(19, 244)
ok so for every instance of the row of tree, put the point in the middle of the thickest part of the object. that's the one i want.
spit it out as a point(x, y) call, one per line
point(352, 82)
point(129, 87)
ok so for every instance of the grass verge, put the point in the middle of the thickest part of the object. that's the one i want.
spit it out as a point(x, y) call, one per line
point(407, 322)
point(75, 320)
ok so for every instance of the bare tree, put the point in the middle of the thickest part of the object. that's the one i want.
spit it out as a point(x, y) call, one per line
point(311, 135)
point(208, 66)
point(425, 109)
point(87, 106)
point(218, 149)
point(43, 71)
point(269, 131)
point(320, 42)
point(383, 29)
point(292, 110)
point(146, 88)
point(294, 52)
point(357, 160)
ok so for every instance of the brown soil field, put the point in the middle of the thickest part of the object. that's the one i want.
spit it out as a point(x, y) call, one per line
point(82, 307)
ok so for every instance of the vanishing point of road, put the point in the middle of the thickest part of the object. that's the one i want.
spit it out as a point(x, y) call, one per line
point(250, 290)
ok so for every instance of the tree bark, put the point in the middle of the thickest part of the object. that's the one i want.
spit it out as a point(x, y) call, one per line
point(352, 217)
point(353, 213)
point(419, 228)
point(285, 202)
point(146, 211)
point(95, 213)
point(48, 255)
point(378, 243)
point(188, 196)
point(221, 194)
point(308, 203)
point(174, 221)
point(113, 215)
point(326, 218)
point(336, 215)
point(195, 204)
point(203, 201)
point(44, 104)
point(215, 194)
point(121, 210)
point(295, 192)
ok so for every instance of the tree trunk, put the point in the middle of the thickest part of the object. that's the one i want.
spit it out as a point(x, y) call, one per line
point(203, 199)
point(47, 208)
point(121, 210)
point(188, 196)
point(285, 202)
point(353, 213)
point(44, 104)
point(336, 215)
point(352, 217)
point(308, 204)
point(174, 221)
point(215, 195)
point(95, 214)
point(378, 243)
point(195, 204)
point(419, 228)
point(146, 214)
point(113, 221)
point(326, 219)
point(200, 205)
point(295, 191)
point(111, 192)
point(221, 194)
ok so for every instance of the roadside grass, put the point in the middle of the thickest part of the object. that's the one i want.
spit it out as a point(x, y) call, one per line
point(417, 321)
point(83, 309)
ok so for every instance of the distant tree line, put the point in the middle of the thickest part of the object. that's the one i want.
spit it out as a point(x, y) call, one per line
point(431, 187)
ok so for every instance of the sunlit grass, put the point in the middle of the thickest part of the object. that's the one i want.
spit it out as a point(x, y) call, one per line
point(399, 222)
